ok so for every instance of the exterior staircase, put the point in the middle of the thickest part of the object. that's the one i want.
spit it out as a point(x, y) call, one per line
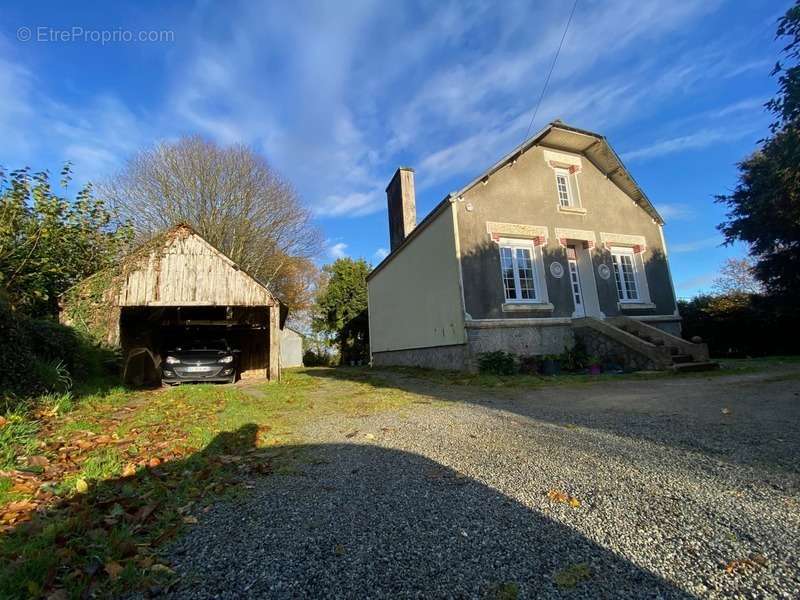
point(642, 346)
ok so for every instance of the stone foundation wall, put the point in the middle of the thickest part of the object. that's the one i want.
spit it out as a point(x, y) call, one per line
point(453, 358)
point(612, 351)
point(522, 340)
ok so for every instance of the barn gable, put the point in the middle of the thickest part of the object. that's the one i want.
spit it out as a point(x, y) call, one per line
point(183, 269)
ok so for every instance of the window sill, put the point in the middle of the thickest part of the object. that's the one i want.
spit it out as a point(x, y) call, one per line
point(571, 210)
point(527, 307)
point(623, 306)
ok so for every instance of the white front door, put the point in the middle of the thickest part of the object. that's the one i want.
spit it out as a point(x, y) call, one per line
point(575, 282)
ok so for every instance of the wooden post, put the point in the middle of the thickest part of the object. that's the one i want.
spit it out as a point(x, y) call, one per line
point(274, 367)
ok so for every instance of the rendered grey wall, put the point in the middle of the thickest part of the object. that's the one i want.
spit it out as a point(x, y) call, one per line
point(525, 193)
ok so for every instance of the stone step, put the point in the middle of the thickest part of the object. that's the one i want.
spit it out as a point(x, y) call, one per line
point(695, 366)
point(681, 358)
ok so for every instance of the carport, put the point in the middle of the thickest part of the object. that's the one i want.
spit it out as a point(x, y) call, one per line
point(174, 286)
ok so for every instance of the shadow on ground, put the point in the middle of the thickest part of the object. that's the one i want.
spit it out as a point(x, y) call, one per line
point(750, 420)
point(308, 521)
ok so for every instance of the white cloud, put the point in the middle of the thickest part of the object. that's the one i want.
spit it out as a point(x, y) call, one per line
point(351, 205)
point(338, 250)
point(695, 245)
point(685, 143)
point(675, 212)
point(381, 253)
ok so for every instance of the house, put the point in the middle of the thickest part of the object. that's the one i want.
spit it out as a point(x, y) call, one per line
point(555, 241)
point(291, 348)
point(178, 283)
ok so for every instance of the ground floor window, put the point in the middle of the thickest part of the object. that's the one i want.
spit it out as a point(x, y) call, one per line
point(518, 271)
point(625, 274)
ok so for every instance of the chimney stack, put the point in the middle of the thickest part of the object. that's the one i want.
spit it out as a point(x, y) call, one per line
point(402, 206)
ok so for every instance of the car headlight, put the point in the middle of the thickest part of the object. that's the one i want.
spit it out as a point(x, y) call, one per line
point(226, 360)
point(171, 360)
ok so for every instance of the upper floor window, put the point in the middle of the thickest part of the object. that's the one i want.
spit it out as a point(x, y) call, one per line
point(625, 267)
point(563, 185)
point(518, 271)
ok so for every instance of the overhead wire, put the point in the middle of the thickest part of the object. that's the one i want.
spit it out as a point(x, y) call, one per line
point(552, 66)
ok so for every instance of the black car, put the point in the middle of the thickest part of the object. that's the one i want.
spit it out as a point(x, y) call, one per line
point(200, 360)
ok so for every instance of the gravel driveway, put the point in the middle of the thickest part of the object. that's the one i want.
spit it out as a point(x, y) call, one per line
point(674, 480)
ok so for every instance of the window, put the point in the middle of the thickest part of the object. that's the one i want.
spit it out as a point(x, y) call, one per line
point(625, 274)
point(519, 275)
point(562, 184)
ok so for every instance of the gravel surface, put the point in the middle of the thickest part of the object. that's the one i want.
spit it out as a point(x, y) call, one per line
point(675, 479)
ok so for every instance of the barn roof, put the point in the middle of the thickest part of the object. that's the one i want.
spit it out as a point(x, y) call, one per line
point(179, 267)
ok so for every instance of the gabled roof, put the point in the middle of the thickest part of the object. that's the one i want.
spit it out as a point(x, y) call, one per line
point(558, 136)
point(595, 147)
point(138, 260)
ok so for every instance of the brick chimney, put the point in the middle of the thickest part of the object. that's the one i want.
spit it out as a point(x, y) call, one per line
point(402, 206)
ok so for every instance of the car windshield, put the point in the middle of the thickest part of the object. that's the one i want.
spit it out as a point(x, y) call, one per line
point(218, 345)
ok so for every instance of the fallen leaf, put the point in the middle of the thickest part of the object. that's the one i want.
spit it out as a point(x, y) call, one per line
point(21, 506)
point(3, 421)
point(759, 559)
point(113, 569)
point(161, 569)
point(144, 512)
point(338, 549)
point(38, 461)
point(563, 497)
point(129, 470)
point(81, 486)
point(741, 564)
point(369, 436)
point(190, 520)
point(153, 462)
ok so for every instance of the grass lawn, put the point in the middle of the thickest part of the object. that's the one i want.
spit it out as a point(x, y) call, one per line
point(91, 488)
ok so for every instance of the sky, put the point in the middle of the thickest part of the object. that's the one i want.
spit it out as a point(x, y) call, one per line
point(337, 95)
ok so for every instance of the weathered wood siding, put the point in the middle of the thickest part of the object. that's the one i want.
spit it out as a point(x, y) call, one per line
point(188, 271)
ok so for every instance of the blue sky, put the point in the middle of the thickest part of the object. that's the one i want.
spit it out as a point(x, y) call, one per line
point(336, 95)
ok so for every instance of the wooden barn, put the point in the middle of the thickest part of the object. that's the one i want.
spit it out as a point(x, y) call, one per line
point(174, 286)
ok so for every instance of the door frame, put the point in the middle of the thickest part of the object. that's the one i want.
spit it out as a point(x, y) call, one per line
point(588, 284)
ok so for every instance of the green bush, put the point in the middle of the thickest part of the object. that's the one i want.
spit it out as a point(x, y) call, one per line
point(311, 358)
point(530, 365)
point(575, 358)
point(51, 375)
point(497, 363)
point(40, 356)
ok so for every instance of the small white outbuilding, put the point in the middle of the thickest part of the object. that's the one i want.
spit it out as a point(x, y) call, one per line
point(291, 348)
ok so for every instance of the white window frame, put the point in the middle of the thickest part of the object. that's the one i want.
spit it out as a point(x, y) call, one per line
point(619, 280)
point(537, 268)
point(571, 200)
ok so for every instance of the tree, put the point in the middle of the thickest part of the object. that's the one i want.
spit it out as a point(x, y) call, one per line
point(231, 197)
point(49, 242)
point(341, 308)
point(764, 208)
point(737, 276)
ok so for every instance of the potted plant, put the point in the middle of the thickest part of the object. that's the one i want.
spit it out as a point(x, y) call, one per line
point(551, 364)
point(595, 365)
